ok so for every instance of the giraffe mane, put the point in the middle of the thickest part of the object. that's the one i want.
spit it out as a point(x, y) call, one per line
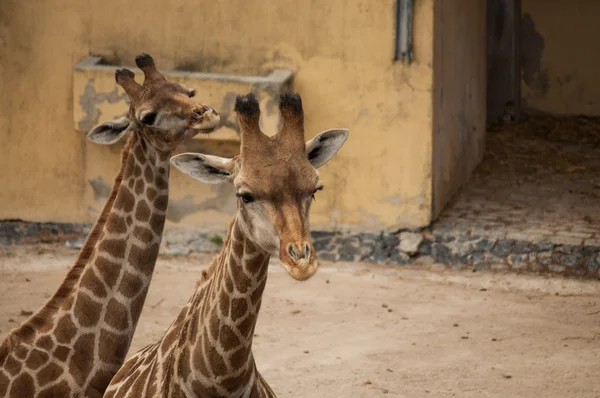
point(210, 270)
point(28, 328)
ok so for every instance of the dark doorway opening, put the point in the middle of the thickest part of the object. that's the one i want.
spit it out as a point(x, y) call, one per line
point(537, 189)
point(503, 61)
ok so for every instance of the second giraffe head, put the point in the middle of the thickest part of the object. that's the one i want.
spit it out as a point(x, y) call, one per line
point(275, 178)
point(162, 111)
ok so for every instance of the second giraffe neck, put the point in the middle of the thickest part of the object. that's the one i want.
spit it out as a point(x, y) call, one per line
point(105, 304)
point(222, 318)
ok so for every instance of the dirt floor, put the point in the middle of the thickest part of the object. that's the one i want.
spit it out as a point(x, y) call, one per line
point(365, 331)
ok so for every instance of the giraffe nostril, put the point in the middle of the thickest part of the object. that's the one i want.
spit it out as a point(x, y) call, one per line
point(292, 252)
point(306, 250)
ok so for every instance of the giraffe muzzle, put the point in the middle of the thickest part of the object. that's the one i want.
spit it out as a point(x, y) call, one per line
point(301, 261)
point(205, 118)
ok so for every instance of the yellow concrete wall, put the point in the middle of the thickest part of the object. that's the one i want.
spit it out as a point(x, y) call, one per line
point(341, 52)
point(560, 56)
point(459, 96)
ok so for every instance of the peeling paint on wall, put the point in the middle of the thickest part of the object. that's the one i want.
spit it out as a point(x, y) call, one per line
point(100, 188)
point(532, 49)
point(228, 118)
point(89, 101)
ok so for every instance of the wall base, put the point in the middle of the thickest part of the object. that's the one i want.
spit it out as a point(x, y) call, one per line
point(456, 248)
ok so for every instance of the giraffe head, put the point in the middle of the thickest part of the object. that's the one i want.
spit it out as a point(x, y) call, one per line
point(163, 112)
point(276, 180)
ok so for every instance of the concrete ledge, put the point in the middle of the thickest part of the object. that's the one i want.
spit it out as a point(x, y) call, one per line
point(98, 98)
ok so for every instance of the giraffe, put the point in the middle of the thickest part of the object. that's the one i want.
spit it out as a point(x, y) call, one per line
point(78, 340)
point(207, 350)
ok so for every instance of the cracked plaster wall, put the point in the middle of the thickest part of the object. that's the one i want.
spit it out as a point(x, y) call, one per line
point(342, 55)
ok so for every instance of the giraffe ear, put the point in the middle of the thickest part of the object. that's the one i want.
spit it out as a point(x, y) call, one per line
point(108, 133)
point(321, 149)
point(205, 168)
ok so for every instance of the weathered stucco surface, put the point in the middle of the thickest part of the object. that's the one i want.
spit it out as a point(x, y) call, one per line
point(559, 57)
point(460, 95)
point(341, 53)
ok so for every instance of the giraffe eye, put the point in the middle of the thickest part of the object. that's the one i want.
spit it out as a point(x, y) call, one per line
point(191, 93)
point(149, 118)
point(320, 188)
point(245, 197)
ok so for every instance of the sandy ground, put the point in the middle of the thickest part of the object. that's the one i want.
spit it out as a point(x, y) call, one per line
point(365, 331)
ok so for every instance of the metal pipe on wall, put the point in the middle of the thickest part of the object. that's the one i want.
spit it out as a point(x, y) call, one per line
point(404, 24)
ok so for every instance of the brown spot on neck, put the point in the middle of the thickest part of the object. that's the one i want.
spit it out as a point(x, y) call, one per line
point(22, 386)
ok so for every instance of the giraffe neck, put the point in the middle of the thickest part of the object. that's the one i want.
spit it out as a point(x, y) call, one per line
point(108, 300)
point(96, 319)
point(217, 351)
